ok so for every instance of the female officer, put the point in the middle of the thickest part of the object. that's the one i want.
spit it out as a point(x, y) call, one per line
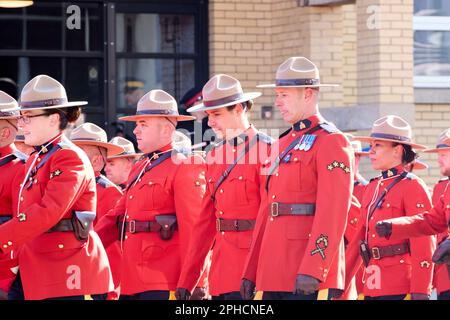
point(60, 255)
point(393, 269)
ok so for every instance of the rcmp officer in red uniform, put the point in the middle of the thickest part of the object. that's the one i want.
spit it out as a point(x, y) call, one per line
point(118, 167)
point(298, 245)
point(433, 222)
point(394, 268)
point(60, 255)
point(92, 140)
point(155, 214)
point(11, 171)
point(232, 197)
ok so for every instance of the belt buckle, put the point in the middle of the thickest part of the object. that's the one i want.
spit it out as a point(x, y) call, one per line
point(132, 226)
point(218, 224)
point(274, 209)
point(376, 253)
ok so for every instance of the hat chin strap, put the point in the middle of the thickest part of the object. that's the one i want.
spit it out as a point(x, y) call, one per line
point(174, 124)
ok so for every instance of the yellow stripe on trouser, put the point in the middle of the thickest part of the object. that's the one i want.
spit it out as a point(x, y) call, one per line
point(172, 295)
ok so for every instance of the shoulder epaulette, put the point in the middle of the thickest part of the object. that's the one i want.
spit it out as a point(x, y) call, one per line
point(21, 156)
point(330, 128)
point(444, 179)
point(265, 138)
point(411, 176)
point(104, 181)
point(213, 145)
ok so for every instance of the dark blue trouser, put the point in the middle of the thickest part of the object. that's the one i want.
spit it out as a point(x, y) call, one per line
point(148, 295)
point(235, 295)
point(278, 295)
point(444, 295)
point(393, 297)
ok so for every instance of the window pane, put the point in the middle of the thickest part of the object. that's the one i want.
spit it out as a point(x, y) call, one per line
point(432, 53)
point(432, 8)
point(155, 33)
point(89, 36)
point(138, 76)
point(44, 27)
point(11, 28)
point(84, 79)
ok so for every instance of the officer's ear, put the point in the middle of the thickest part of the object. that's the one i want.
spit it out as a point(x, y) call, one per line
point(55, 119)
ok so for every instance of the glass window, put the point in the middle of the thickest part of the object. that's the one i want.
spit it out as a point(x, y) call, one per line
point(84, 77)
point(138, 76)
point(155, 33)
point(431, 44)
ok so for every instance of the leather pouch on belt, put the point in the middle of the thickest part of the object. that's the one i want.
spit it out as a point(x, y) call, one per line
point(364, 252)
point(82, 222)
point(168, 225)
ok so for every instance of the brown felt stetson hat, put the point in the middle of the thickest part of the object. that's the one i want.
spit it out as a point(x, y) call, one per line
point(8, 102)
point(222, 91)
point(391, 128)
point(297, 72)
point(157, 103)
point(89, 134)
point(44, 92)
point(128, 147)
point(443, 142)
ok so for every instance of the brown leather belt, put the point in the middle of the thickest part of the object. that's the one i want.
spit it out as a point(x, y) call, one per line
point(234, 225)
point(64, 225)
point(136, 226)
point(4, 219)
point(378, 253)
point(291, 209)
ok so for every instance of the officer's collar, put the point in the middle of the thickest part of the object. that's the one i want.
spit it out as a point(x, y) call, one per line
point(155, 154)
point(392, 172)
point(122, 186)
point(49, 145)
point(307, 123)
point(6, 150)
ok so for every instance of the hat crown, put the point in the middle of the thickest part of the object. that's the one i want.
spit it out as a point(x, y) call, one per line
point(392, 125)
point(42, 87)
point(297, 68)
point(221, 86)
point(6, 102)
point(157, 100)
point(88, 131)
point(444, 137)
point(124, 143)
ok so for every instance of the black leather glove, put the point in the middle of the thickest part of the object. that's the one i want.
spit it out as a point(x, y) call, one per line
point(419, 296)
point(247, 289)
point(384, 229)
point(306, 284)
point(198, 294)
point(442, 253)
point(182, 294)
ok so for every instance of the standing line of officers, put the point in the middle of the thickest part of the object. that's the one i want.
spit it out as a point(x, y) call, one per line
point(288, 219)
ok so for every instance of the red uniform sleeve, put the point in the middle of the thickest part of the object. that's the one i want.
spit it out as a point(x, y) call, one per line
point(334, 163)
point(421, 248)
point(251, 264)
point(430, 222)
point(189, 190)
point(44, 213)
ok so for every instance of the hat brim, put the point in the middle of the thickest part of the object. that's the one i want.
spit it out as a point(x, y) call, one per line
point(121, 156)
point(65, 105)
point(246, 97)
point(436, 150)
point(370, 139)
point(112, 149)
point(146, 116)
point(274, 85)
